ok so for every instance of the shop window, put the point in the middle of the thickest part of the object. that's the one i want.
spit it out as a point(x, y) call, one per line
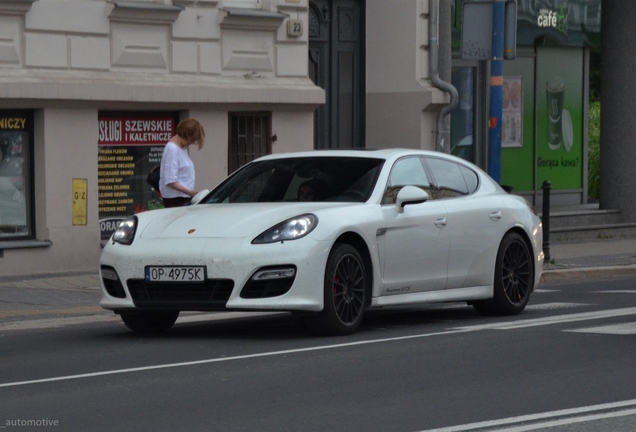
point(249, 138)
point(16, 179)
point(462, 130)
point(130, 144)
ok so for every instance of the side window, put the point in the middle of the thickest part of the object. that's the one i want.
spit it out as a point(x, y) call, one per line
point(472, 181)
point(448, 178)
point(406, 172)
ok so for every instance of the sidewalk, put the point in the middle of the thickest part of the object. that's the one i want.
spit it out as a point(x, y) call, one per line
point(579, 259)
point(50, 297)
point(75, 295)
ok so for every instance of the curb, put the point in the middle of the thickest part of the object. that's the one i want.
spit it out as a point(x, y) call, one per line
point(587, 272)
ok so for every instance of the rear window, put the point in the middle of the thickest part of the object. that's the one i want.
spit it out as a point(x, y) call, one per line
point(471, 179)
point(448, 178)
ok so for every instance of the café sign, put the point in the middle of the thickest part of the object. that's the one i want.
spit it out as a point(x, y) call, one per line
point(549, 18)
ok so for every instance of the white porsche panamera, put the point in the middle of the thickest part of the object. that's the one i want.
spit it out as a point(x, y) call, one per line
point(328, 234)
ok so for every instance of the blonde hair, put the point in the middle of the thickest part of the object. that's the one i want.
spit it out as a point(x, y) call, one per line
point(192, 131)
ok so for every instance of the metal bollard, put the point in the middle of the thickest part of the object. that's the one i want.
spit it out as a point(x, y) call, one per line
point(545, 218)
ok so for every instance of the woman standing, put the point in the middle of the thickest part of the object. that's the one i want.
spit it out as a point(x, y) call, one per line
point(176, 183)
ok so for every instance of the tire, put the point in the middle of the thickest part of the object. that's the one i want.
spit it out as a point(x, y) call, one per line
point(150, 321)
point(345, 293)
point(514, 278)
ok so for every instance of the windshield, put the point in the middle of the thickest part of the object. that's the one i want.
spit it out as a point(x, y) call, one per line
point(345, 179)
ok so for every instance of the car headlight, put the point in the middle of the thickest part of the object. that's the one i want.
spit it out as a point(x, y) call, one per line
point(291, 229)
point(125, 232)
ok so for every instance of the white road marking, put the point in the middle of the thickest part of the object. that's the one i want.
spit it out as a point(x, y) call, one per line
point(227, 359)
point(614, 329)
point(615, 292)
point(495, 326)
point(543, 291)
point(558, 319)
point(555, 305)
point(572, 415)
point(574, 420)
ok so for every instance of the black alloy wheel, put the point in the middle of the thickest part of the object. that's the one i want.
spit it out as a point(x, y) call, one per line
point(514, 278)
point(516, 272)
point(345, 293)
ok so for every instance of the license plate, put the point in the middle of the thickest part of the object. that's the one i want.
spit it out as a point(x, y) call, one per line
point(175, 273)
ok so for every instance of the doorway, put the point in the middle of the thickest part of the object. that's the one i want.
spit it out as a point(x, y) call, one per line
point(336, 63)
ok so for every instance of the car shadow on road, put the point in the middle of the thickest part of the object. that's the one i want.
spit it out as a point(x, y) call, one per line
point(286, 326)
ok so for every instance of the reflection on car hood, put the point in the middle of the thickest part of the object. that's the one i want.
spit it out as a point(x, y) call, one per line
point(224, 220)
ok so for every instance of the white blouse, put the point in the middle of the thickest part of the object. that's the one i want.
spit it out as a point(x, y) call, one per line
point(176, 166)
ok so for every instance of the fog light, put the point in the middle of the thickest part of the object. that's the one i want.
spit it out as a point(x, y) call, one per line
point(109, 274)
point(278, 273)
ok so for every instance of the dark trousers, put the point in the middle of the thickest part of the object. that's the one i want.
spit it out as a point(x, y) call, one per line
point(176, 202)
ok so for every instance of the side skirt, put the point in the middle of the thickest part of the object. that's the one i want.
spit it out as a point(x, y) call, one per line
point(451, 295)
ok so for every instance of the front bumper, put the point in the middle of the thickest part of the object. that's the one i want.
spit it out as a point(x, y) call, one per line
point(230, 265)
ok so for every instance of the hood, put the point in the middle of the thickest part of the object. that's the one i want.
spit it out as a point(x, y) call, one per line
point(223, 220)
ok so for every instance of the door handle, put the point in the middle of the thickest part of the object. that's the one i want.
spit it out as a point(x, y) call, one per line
point(495, 216)
point(440, 222)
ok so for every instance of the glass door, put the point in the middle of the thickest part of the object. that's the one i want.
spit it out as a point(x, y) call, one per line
point(468, 139)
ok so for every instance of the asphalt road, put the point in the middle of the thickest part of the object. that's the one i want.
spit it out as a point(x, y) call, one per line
point(565, 364)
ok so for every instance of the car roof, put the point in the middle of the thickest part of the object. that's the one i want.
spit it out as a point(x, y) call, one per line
point(374, 154)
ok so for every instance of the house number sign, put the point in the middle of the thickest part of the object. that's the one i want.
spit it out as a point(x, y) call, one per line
point(294, 27)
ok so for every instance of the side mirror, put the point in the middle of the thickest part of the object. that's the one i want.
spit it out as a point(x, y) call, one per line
point(198, 197)
point(409, 195)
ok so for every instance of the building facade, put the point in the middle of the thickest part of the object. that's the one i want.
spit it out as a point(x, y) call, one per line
point(90, 90)
point(546, 98)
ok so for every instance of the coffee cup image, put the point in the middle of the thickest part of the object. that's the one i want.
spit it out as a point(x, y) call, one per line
point(555, 92)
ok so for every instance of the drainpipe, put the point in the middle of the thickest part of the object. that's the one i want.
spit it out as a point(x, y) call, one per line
point(442, 132)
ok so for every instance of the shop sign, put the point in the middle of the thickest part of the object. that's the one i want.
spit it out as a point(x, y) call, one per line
point(108, 226)
point(129, 131)
point(571, 22)
point(128, 147)
point(80, 189)
point(10, 123)
point(553, 19)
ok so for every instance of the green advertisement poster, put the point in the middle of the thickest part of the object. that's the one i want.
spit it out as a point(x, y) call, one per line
point(559, 98)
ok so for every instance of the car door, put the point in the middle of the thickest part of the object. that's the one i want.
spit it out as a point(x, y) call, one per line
point(474, 223)
point(414, 244)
